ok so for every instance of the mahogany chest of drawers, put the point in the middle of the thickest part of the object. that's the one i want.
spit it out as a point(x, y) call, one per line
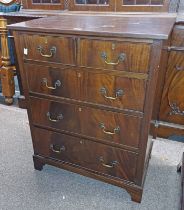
point(89, 83)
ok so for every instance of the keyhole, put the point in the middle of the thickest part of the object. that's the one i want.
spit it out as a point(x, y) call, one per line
point(79, 74)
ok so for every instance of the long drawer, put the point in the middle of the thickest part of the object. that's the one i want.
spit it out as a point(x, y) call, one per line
point(102, 125)
point(110, 90)
point(93, 156)
point(47, 48)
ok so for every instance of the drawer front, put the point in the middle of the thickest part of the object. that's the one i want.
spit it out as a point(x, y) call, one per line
point(90, 155)
point(53, 81)
point(121, 56)
point(49, 49)
point(114, 91)
point(56, 115)
point(111, 127)
point(172, 105)
point(178, 36)
point(120, 92)
point(102, 125)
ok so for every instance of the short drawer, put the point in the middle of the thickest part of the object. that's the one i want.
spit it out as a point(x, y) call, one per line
point(116, 128)
point(115, 91)
point(94, 156)
point(62, 82)
point(115, 55)
point(49, 49)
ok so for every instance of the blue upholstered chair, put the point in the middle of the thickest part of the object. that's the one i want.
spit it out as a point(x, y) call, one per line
point(7, 7)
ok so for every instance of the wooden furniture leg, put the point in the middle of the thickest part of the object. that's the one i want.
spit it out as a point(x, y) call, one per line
point(136, 196)
point(6, 71)
point(180, 168)
point(38, 165)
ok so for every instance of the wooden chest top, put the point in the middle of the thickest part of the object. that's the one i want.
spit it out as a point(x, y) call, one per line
point(102, 25)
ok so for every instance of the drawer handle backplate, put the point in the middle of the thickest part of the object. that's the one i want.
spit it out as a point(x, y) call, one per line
point(56, 84)
point(57, 149)
point(179, 68)
point(121, 58)
point(175, 109)
point(52, 52)
point(57, 119)
point(174, 106)
point(118, 94)
point(116, 130)
point(111, 165)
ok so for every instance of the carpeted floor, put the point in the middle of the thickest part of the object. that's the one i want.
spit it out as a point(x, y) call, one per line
point(23, 188)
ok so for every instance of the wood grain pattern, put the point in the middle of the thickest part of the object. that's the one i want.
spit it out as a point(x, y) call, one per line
point(87, 86)
point(148, 110)
point(37, 73)
point(103, 130)
point(169, 97)
point(70, 121)
point(63, 46)
point(133, 91)
point(101, 25)
point(93, 118)
point(178, 36)
point(172, 106)
point(9, 70)
point(166, 129)
point(85, 153)
point(159, 87)
point(136, 60)
point(132, 189)
point(87, 121)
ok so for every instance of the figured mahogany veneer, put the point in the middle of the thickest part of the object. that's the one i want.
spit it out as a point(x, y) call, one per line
point(88, 154)
point(86, 121)
point(178, 36)
point(135, 56)
point(49, 48)
point(171, 112)
point(128, 93)
point(90, 99)
point(173, 97)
